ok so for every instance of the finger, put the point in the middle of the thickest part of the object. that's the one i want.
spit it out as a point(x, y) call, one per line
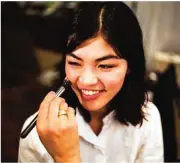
point(49, 96)
point(63, 118)
point(63, 106)
point(54, 108)
point(43, 109)
point(71, 113)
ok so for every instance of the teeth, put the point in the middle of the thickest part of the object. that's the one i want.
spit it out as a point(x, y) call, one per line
point(86, 92)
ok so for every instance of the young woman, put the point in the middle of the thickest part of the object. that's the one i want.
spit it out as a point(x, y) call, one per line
point(114, 122)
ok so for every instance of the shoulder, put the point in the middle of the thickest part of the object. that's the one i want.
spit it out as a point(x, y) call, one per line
point(152, 140)
point(152, 121)
point(30, 148)
point(151, 112)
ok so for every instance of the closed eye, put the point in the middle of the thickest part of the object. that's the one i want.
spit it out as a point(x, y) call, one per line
point(74, 63)
point(106, 66)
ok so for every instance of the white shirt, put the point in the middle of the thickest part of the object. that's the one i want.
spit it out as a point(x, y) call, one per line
point(116, 143)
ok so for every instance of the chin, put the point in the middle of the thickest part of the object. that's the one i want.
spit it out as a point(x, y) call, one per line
point(92, 107)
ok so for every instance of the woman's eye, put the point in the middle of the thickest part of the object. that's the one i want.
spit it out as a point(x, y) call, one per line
point(74, 63)
point(106, 66)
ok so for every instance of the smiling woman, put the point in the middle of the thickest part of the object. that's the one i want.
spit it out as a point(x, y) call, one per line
point(89, 68)
point(114, 120)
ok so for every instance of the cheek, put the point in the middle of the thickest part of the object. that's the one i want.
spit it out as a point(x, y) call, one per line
point(115, 79)
point(71, 74)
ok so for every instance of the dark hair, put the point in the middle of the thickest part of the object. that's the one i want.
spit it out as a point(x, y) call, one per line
point(118, 26)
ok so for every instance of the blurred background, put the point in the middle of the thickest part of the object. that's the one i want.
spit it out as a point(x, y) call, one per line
point(33, 39)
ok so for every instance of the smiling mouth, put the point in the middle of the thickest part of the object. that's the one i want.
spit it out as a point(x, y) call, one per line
point(89, 95)
point(90, 92)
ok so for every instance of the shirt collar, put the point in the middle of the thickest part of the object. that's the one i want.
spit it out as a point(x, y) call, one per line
point(85, 131)
point(108, 118)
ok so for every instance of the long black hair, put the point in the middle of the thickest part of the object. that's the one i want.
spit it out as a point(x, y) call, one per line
point(116, 23)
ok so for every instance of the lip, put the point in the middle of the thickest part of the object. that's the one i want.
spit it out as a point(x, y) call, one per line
point(91, 97)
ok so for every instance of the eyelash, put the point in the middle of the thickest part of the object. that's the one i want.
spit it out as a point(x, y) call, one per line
point(74, 63)
point(106, 66)
point(103, 66)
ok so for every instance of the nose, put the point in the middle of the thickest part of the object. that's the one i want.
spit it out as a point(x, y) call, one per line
point(88, 78)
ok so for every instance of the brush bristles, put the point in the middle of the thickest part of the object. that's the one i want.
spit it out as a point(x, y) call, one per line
point(66, 83)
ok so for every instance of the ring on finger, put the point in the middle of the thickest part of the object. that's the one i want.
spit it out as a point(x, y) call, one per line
point(61, 112)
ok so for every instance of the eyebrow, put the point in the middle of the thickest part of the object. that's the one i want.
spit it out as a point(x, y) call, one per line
point(106, 57)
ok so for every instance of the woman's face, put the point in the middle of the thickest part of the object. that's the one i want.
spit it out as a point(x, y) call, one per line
point(96, 72)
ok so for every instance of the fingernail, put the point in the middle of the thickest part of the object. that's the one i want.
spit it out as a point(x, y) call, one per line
point(52, 93)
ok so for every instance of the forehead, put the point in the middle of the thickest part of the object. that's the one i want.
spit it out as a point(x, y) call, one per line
point(94, 49)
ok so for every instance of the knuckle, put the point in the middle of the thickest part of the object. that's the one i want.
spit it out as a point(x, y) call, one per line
point(52, 130)
point(63, 129)
point(41, 130)
point(72, 125)
point(53, 102)
point(44, 105)
point(56, 101)
point(57, 131)
point(71, 109)
point(51, 94)
point(64, 105)
point(61, 99)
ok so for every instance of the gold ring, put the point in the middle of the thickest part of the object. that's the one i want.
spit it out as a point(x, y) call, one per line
point(62, 112)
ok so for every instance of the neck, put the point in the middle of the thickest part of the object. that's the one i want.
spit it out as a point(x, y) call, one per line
point(96, 122)
point(99, 114)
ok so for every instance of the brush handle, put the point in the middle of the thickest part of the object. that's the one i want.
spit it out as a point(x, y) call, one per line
point(28, 129)
point(32, 124)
